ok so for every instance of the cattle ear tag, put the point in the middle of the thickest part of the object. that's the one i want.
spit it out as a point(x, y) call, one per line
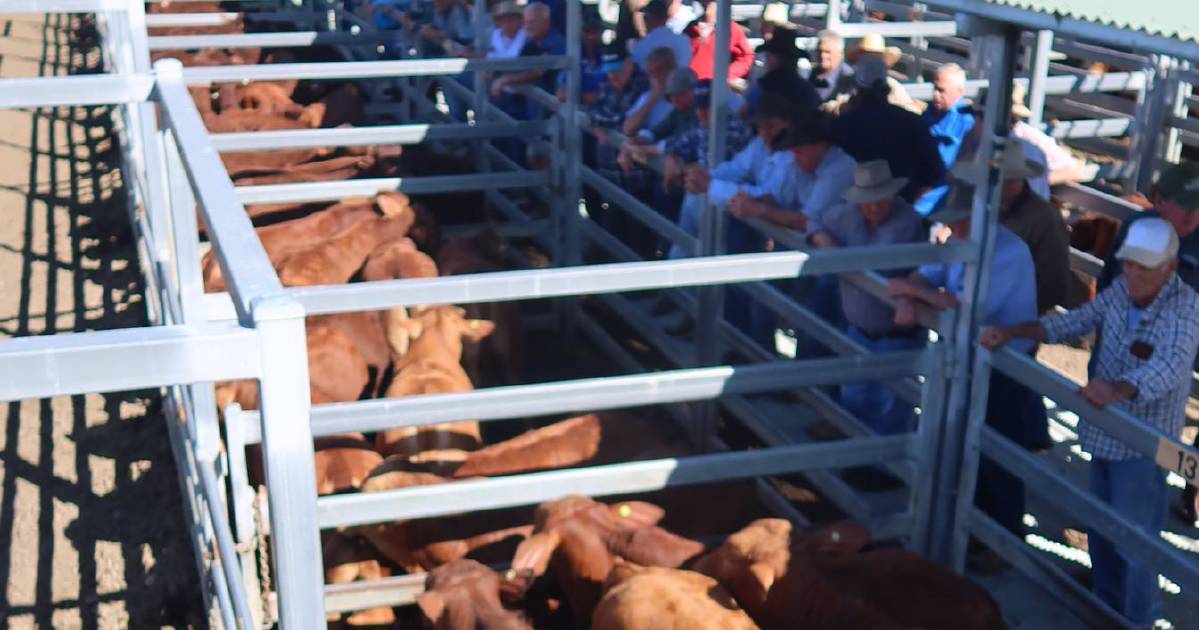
point(835, 535)
point(624, 510)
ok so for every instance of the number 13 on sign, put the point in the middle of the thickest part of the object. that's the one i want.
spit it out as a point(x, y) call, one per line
point(1173, 457)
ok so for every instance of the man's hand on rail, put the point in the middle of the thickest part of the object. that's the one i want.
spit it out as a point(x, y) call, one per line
point(743, 206)
point(1102, 393)
point(993, 337)
point(497, 86)
point(672, 171)
point(696, 179)
point(906, 313)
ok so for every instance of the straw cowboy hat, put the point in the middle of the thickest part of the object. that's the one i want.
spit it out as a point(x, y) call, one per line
point(872, 181)
point(875, 44)
point(1013, 164)
point(1019, 109)
point(777, 14)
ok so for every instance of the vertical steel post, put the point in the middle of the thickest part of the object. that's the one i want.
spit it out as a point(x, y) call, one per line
point(1179, 92)
point(967, 396)
point(832, 18)
point(1038, 74)
point(710, 303)
point(1146, 130)
point(290, 473)
point(480, 17)
point(568, 163)
point(928, 430)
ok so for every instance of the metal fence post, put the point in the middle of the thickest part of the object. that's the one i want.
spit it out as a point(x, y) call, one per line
point(968, 402)
point(479, 17)
point(832, 18)
point(929, 429)
point(1178, 93)
point(568, 163)
point(710, 303)
point(1038, 73)
point(1146, 130)
point(288, 459)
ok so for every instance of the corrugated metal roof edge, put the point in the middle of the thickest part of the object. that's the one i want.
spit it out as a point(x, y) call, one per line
point(1109, 34)
point(1092, 14)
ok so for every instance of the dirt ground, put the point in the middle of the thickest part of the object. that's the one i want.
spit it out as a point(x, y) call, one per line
point(91, 521)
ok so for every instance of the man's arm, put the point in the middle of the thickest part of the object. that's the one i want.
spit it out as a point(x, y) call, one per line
point(744, 206)
point(636, 118)
point(1173, 355)
point(916, 287)
point(993, 337)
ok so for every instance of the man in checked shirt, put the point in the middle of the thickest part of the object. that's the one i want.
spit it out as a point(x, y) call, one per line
point(1148, 320)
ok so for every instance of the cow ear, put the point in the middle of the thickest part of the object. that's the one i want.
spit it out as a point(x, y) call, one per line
point(763, 578)
point(534, 553)
point(432, 606)
point(390, 206)
point(476, 330)
point(637, 513)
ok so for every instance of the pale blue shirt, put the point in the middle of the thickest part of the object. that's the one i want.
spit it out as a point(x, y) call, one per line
point(663, 37)
point(813, 193)
point(754, 170)
point(684, 16)
point(1012, 290)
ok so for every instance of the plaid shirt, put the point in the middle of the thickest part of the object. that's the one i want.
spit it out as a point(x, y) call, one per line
point(691, 146)
point(608, 112)
point(1169, 327)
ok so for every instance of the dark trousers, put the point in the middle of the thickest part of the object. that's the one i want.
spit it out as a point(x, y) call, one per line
point(1016, 413)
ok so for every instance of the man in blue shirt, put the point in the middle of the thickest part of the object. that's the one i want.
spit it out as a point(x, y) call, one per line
point(540, 39)
point(658, 35)
point(950, 119)
point(1012, 410)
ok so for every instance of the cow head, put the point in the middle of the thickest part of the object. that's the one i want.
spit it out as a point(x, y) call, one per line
point(750, 561)
point(463, 595)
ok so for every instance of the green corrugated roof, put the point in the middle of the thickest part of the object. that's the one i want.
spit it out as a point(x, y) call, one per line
point(1176, 19)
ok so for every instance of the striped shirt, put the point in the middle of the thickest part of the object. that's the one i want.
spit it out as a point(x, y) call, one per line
point(1167, 332)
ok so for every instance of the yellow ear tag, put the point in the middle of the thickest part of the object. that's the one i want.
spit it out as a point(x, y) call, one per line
point(624, 511)
point(836, 536)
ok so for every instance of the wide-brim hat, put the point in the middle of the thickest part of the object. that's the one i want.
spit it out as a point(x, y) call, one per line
point(873, 43)
point(777, 14)
point(781, 44)
point(810, 129)
point(1180, 183)
point(507, 7)
point(1019, 109)
point(958, 205)
point(872, 181)
point(1013, 164)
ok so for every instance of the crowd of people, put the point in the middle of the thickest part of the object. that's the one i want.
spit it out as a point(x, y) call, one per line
point(844, 156)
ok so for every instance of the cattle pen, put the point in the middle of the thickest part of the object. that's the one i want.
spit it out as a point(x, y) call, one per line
point(259, 550)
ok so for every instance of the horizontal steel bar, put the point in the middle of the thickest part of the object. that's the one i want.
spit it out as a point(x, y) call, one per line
point(852, 30)
point(1110, 82)
point(617, 277)
point(263, 40)
point(63, 6)
point(1045, 572)
point(1091, 200)
point(399, 590)
point(644, 214)
point(366, 69)
point(333, 191)
point(103, 89)
point(1184, 124)
point(1083, 262)
point(363, 136)
point(1108, 56)
point(1080, 504)
point(78, 363)
point(750, 11)
point(167, 20)
point(1106, 127)
point(596, 394)
point(643, 476)
point(1120, 424)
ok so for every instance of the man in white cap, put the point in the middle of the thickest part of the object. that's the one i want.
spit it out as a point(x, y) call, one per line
point(1149, 323)
point(1012, 410)
point(873, 216)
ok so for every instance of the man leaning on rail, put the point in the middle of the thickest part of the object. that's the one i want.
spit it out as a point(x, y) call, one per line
point(1149, 323)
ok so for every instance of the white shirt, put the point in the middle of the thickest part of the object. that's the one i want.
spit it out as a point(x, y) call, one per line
point(663, 37)
point(684, 16)
point(1039, 184)
point(505, 47)
point(1057, 157)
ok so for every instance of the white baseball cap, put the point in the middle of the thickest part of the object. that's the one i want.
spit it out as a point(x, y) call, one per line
point(1151, 243)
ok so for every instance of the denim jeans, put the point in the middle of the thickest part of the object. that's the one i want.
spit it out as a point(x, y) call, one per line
point(1136, 489)
point(873, 402)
